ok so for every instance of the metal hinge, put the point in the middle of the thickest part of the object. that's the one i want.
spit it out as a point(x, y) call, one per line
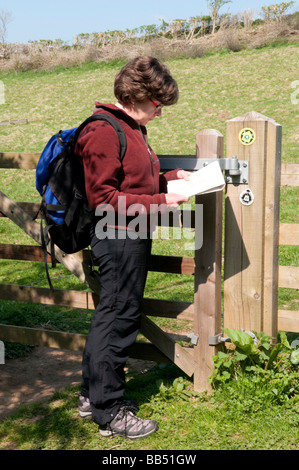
point(218, 339)
point(236, 171)
point(193, 338)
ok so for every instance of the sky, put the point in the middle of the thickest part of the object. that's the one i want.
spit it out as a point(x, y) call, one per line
point(64, 19)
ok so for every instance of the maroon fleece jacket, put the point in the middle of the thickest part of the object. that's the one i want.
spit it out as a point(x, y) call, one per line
point(137, 177)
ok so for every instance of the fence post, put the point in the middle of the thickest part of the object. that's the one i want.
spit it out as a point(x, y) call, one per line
point(207, 281)
point(252, 230)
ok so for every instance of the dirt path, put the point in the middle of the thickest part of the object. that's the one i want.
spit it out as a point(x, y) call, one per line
point(38, 376)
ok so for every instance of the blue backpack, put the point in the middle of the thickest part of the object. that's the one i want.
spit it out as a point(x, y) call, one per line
point(60, 182)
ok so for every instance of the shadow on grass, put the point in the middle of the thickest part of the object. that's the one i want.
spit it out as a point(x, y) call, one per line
point(142, 387)
point(40, 426)
point(56, 425)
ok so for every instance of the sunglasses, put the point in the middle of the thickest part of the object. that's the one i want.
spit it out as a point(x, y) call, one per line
point(157, 106)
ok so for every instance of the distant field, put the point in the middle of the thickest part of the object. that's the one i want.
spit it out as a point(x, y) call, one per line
point(212, 89)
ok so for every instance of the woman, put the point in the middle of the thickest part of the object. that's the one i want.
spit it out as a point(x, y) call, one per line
point(142, 88)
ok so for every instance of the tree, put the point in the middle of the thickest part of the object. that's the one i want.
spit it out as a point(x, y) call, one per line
point(194, 27)
point(276, 11)
point(177, 28)
point(214, 7)
point(205, 22)
point(5, 18)
point(148, 31)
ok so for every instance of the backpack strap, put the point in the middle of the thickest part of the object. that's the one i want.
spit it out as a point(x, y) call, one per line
point(113, 122)
point(45, 241)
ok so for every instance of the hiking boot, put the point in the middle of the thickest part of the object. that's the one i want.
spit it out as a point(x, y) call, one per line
point(85, 407)
point(126, 424)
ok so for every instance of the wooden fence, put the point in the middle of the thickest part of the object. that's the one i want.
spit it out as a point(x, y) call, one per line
point(249, 247)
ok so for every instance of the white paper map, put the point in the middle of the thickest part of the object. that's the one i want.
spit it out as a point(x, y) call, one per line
point(206, 180)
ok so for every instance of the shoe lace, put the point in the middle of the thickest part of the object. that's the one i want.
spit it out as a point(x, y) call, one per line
point(128, 412)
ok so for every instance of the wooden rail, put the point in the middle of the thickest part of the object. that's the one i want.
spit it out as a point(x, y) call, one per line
point(288, 320)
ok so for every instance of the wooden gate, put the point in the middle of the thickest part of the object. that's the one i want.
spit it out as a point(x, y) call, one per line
point(251, 238)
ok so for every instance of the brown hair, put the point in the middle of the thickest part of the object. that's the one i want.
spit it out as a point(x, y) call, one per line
point(145, 78)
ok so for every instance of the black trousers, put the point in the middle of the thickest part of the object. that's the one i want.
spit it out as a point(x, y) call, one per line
point(122, 266)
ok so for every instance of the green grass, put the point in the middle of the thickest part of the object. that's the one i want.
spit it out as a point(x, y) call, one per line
point(187, 421)
point(212, 90)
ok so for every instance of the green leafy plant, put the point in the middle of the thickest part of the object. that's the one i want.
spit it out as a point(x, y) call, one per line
point(256, 371)
point(180, 388)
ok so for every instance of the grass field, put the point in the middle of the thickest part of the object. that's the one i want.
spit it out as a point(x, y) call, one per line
point(213, 89)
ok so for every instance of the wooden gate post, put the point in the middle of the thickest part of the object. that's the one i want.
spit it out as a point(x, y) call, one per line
point(252, 226)
point(207, 288)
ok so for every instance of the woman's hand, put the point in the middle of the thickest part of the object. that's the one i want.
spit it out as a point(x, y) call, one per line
point(174, 200)
point(182, 174)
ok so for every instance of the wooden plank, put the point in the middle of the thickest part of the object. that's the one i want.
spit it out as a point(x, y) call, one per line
point(26, 160)
point(168, 309)
point(89, 300)
point(71, 341)
point(289, 169)
point(180, 218)
point(207, 281)
point(22, 252)
point(289, 180)
point(46, 338)
point(176, 353)
point(31, 208)
point(289, 174)
point(289, 234)
point(289, 277)
point(244, 234)
point(20, 160)
point(147, 352)
point(46, 296)
point(13, 121)
point(158, 263)
point(288, 321)
point(172, 264)
point(271, 227)
point(251, 230)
